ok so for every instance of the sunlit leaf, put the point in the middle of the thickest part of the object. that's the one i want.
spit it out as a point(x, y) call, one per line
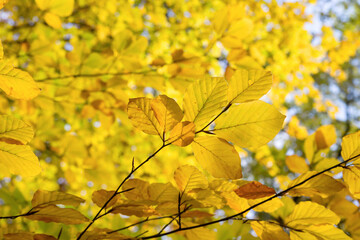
point(310, 213)
point(350, 145)
point(189, 177)
point(100, 197)
point(325, 136)
point(17, 83)
point(42, 197)
point(143, 117)
point(13, 128)
point(247, 85)
point(218, 157)
point(52, 213)
point(204, 99)
point(62, 8)
point(267, 230)
point(351, 177)
point(250, 124)
point(322, 185)
point(19, 159)
point(296, 164)
point(182, 134)
point(254, 190)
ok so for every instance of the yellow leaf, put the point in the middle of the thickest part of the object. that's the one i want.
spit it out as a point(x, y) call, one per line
point(62, 8)
point(19, 159)
point(182, 134)
point(133, 209)
point(248, 85)
point(220, 21)
point(237, 32)
point(296, 164)
point(235, 202)
point(2, 3)
point(52, 213)
point(100, 197)
point(270, 206)
point(322, 185)
point(325, 136)
point(250, 124)
point(218, 157)
point(18, 236)
point(204, 99)
point(17, 83)
point(310, 213)
point(139, 191)
point(310, 147)
point(326, 232)
point(16, 129)
point(189, 177)
point(167, 112)
point(163, 192)
point(1, 46)
point(42, 197)
point(52, 20)
point(143, 117)
point(254, 190)
point(198, 233)
point(267, 230)
point(351, 176)
point(350, 146)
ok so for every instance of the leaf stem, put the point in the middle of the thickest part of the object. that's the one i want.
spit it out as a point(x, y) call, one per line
point(255, 205)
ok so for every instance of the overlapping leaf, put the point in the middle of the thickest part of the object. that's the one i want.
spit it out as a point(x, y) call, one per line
point(189, 177)
point(351, 176)
point(322, 185)
point(204, 99)
point(42, 197)
point(250, 124)
point(52, 213)
point(350, 146)
point(14, 129)
point(218, 157)
point(182, 134)
point(254, 190)
point(19, 159)
point(310, 213)
point(17, 83)
point(248, 85)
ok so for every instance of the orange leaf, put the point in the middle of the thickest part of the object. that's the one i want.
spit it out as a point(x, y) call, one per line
point(254, 190)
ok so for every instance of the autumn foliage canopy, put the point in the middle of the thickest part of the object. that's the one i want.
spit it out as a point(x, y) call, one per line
point(189, 119)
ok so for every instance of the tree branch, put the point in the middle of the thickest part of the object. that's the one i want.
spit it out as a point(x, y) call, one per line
point(117, 191)
point(253, 206)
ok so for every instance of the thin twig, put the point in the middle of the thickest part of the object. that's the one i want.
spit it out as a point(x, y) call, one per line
point(255, 205)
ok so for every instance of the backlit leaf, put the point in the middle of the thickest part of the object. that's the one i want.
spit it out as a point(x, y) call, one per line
point(248, 85)
point(189, 177)
point(182, 134)
point(62, 8)
point(351, 176)
point(250, 124)
point(322, 185)
point(326, 232)
point(19, 159)
point(52, 213)
point(100, 197)
point(17, 83)
point(325, 136)
point(254, 190)
point(204, 99)
point(218, 157)
point(310, 213)
point(139, 189)
point(143, 117)
point(267, 231)
point(350, 146)
point(42, 197)
point(167, 112)
point(296, 164)
point(14, 128)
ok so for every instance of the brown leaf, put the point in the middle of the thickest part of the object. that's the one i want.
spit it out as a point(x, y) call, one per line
point(254, 190)
point(100, 197)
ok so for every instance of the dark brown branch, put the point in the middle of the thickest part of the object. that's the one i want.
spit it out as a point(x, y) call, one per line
point(97, 216)
point(253, 206)
point(224, 110)
point(30, 212)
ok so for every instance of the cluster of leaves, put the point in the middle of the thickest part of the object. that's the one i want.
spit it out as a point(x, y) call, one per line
point(91, 63)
